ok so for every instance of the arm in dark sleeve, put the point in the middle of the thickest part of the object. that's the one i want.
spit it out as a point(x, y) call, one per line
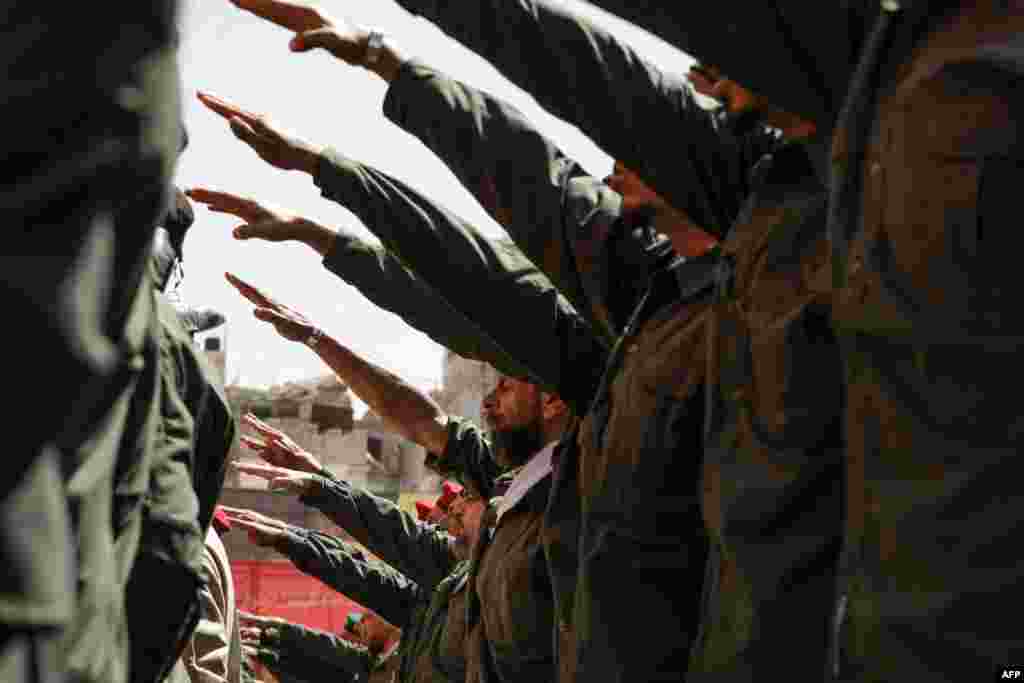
point(481, 279)
point(468, 457)
point(566, 220)
point(576, 69)
point(321, 655)
point(419, 551)
point(346, 570)
point(556, 213)
point(645, 118)
point(391, 286)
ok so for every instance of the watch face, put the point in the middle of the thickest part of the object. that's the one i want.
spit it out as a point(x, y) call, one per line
point(373, 45)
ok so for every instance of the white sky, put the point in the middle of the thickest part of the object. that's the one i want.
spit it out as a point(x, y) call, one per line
point(234, 55)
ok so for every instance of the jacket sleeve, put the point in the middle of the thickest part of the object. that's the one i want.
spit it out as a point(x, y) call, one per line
point(646, 118)
point(346, 570)
point(558, 346)
point(321, 655)
point(420, 551)
point(383, 279)
point(206, 656)
point(549, 206)
point(468, 457)
point(805, 51)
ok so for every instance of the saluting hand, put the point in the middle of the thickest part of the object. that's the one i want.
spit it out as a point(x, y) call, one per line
point(289, 324)
point(313, 28)
point(279, 478)
point(278, 449)
point(272, 143)
point(264, 221)
point(252, 627)
point(263, 531)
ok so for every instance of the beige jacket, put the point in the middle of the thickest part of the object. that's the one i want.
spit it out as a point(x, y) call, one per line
point(213, 655)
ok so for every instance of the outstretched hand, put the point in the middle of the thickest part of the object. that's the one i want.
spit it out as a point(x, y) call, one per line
point(278, 449)
point(264, 221)
point(252, 626)
point(294, 16)
point(263, 531)
point(289, 324)
point(279, 478)
point(273, 144)
point(313, 28)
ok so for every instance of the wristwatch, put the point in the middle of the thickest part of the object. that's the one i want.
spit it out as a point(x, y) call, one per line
point(314, 338)
point(374, 45)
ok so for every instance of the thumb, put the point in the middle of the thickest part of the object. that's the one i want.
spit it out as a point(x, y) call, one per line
point(326, 38)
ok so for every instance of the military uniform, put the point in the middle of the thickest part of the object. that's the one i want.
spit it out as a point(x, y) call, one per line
point(928, 161)
point(650, 406)
point(195, 434)
point(82, 211)
point(510, 602)
point(311, 655)
point(772, 477)
point(433, 629)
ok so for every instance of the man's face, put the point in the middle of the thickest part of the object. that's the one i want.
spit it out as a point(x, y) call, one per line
point(514, 413)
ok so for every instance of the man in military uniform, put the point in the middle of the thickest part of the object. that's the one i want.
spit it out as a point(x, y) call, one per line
point(924, 98)
point(424, 597)
point(571, 225)
point(85, 183)
point(930, 153)
point(185, 479)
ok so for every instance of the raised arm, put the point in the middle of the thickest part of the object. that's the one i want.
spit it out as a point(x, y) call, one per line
point(646, 118)
point(547, 334)
point(557, 345)
point(347, 570)
point(804, 51)
point(323, 655)
point(563, 218)
point(303, 655)
point(374, 271)
point(418, 550)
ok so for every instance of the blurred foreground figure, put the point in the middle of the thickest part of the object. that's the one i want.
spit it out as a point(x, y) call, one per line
point(84, 181)
point(214, 654)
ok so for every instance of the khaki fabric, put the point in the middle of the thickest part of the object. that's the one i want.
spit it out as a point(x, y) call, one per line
point(928, 316)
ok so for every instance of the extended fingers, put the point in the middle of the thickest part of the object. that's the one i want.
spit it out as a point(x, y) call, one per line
point(264, 471)
point(261, 426)
point(290, 15)
point(252, 443)
point(249, 292)
point(225, 202)
point(270, 315)
point(225, 108)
